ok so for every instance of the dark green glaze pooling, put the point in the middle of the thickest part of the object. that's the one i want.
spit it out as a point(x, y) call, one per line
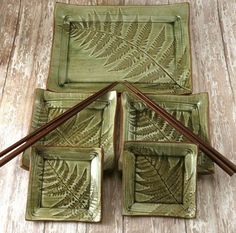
point(159, 179)
point(96, 45)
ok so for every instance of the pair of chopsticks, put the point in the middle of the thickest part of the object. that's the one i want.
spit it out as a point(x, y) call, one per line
point(24, 143)
point(215, 155)
point(30, 139)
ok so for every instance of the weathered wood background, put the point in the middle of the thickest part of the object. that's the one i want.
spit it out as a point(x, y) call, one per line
point(25, 47)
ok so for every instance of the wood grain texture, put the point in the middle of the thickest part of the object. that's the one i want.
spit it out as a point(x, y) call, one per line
point(26, 39)
point(10, 12)
point(17, 96)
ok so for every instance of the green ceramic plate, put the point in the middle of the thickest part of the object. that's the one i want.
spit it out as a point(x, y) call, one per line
point(97, 45)
point(92, 127)
point(65, 184)
point(140, 123)
point(159, 179)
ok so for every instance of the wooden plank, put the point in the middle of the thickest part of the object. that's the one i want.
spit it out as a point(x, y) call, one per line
point(8, 28)
point(110, 2)
point(213, 55)
point(227, 23)
point(83, 2)
point(16, 108)
point(216, 194)
point(44, 43)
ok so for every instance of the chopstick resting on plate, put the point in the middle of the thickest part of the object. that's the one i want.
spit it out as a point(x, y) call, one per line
point(215, 155)
point(24, 143)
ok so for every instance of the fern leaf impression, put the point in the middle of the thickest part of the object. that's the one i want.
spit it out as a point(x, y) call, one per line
point(143, 124)
point(125, 47)
point(65, 184)
point(169, 179)
point(72, 190)
point(159, 179)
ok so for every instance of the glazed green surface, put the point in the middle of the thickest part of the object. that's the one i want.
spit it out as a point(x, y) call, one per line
point(96, 45)
point(140, 123)
point(159, 179)
point(65, 184)
point(92, 127)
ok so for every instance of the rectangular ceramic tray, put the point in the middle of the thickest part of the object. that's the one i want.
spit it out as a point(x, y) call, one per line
point(159, 179)
point(140, 123)
point(96, 45)
point(65, 184)
point(92, 127)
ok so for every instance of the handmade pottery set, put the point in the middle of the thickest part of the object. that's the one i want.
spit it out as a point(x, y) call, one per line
point(92, 47)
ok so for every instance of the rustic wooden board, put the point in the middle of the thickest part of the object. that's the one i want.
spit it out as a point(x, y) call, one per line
point(8, 27)
point(213, 39)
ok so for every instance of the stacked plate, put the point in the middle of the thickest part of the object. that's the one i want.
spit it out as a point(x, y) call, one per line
point(94, 46)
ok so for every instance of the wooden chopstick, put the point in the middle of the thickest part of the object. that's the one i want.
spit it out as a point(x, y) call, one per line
point(18, 147)
point(216, 156)
point(30, 139)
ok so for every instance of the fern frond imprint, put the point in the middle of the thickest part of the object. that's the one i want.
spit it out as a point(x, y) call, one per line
point(147, 125)
point(136, 48)
point(71, 188)
point(159, 179)
point(59, 180)
point(77, 132)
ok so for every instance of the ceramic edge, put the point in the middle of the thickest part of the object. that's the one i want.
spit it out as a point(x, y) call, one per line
point(39, 96)
point(62, 8)
point(201, 97)
point(28, 214)
point(37, 99)
point(194, 152)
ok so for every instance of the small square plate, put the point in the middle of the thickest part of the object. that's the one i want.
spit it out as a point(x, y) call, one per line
point(92, 127)
point(65, 184)
point(159, 179)
point(96, 45)
point(140, 123)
